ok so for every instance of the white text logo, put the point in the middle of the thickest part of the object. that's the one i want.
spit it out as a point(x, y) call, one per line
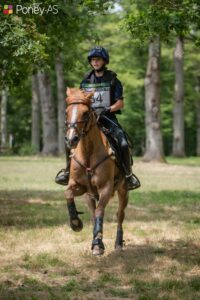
point(36, 9)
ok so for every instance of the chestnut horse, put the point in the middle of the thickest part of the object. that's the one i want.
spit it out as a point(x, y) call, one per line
point(93, 169)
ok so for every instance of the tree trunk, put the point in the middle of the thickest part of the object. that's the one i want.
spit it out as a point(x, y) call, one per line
point(61, 104)
point(198, 116)
point(178, 103)
point(4, 99)
point(35, 131)
point(48, 114)
point(154, 142)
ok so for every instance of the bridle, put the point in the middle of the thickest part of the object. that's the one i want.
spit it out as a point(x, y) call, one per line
point(74, 125)
point(89, 170)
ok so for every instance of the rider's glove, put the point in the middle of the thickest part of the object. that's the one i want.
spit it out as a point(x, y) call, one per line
point(106, 110)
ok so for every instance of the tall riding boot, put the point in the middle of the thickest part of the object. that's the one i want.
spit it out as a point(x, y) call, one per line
point(63, 175)
point(131, 179)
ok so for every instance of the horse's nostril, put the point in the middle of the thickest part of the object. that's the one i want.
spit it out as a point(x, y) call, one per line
point(75, 139)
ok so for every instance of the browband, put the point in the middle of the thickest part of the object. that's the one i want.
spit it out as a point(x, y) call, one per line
point(78, 103)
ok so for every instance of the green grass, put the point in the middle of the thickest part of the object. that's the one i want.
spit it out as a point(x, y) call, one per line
point(187, 161)
point(41, 258)
point(41, 261)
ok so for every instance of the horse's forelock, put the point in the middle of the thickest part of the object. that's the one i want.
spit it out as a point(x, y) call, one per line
point(77, 95)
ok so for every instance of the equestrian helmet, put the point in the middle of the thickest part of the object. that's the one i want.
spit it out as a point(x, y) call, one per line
point(99, 51)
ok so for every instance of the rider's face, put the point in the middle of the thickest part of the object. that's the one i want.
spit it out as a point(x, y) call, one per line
point(97, 62)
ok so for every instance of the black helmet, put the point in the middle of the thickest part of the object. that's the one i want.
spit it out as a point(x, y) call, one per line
point(98, 52)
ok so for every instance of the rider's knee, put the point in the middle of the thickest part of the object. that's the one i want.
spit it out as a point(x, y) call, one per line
point(124, 144)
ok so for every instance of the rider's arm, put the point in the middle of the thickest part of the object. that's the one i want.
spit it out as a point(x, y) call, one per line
point(118, 97)
point(117, 105)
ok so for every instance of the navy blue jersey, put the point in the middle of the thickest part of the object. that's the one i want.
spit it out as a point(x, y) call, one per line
point(118, 86)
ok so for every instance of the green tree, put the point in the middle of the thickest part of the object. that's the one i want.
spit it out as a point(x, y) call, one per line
point(37, 43)
point(167, 19)
point(20, 46)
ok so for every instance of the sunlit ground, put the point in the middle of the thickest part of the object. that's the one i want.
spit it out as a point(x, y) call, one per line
point(41, 258)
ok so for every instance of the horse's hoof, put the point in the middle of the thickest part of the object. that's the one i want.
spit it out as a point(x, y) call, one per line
point(97, 251)
point(76, 224)
point(118, 247)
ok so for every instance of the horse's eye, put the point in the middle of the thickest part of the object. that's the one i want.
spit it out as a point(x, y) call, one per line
point(86, 115)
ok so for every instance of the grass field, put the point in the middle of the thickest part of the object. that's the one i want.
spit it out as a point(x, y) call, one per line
point(42, 258)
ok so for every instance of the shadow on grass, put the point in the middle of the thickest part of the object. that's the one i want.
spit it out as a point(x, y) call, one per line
point(29, 209)
point(141, 256)
point(120, 275)
point(178, 206)
point(127, 274)
point(166, 272)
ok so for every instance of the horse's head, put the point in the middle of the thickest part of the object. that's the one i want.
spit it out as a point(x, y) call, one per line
point(79, 116)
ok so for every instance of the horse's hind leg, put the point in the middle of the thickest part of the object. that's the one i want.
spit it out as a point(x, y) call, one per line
point(123, 201)
point(75, 222)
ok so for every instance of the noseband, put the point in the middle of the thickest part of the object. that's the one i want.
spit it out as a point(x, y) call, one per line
point(74, 125)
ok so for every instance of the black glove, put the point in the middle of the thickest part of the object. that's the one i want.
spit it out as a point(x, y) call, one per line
point(105, 110)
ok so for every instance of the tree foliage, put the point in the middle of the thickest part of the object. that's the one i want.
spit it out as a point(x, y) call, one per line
point(21, 45)
point(28, 40)
point(77, 28)
point(181, 17)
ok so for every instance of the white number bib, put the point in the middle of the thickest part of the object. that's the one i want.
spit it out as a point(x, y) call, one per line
point(101, 91)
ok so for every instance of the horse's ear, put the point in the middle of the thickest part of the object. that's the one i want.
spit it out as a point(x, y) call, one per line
point(68, 91)
point(89, 95)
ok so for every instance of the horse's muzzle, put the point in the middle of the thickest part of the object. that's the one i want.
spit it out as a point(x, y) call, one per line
point(72, 143)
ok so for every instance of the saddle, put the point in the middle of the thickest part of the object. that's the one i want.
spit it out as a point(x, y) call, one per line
point(114, 145)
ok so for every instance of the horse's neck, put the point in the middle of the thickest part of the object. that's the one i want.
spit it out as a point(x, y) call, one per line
point(91, 144)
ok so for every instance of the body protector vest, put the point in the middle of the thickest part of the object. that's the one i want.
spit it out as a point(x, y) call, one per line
point(104, 92)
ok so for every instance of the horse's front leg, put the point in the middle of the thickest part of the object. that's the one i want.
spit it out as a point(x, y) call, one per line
point(91, 201)
point(123, 201)
point(97, 243)
point(74, 190)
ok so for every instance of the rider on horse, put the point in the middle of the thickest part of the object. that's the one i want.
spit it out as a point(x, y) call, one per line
point(109, 95)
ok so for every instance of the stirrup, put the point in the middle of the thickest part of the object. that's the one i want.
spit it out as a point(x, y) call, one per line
point(131, 184)
point(62, 170)
point(62, 178)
